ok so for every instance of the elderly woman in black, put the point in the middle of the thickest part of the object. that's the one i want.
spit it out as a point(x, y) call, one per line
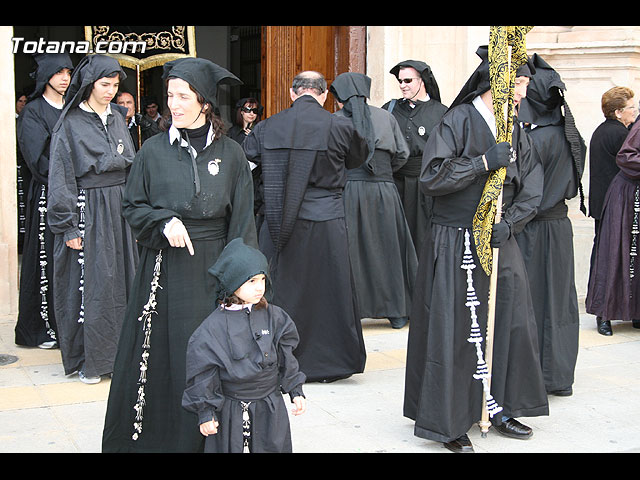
point(189, 193)
point(620, 112)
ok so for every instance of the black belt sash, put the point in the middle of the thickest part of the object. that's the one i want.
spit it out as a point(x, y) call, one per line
point(381, 162)
point(411, 168)
point(257, 389)
point(558, 211)
point(210, 229)
point(104, 179)
point(457, 210)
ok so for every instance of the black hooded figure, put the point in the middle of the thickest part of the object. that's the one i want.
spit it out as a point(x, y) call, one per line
point(381, 251)
point(95, 253)
point(190, 184)
point(240, 361)
point(36, 325)
point(443, 390)
point(416, 119)
point(547, 241)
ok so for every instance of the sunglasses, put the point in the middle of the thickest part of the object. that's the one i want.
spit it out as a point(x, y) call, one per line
point(406, 80)
point(250, 110)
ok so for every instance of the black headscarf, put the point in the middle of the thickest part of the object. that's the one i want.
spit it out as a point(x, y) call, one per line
point(47, 65)
point(545, 104)
point(236, 264)
point(352, 90)
point(478, 83)
point(90, 69)
point(430, 84)
point(202, 74)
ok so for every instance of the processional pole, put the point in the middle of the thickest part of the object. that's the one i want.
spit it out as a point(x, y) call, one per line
point(503, 43)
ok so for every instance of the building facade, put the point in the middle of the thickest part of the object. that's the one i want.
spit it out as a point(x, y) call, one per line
point(590, 59)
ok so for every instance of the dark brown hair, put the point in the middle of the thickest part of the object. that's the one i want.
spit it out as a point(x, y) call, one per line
point(219, 128)
point(234, 300)
point(252, 102)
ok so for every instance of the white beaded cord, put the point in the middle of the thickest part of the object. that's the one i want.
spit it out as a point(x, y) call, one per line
point(482, 370)
point(44, 280)
point(147, 311)
point(81, 224)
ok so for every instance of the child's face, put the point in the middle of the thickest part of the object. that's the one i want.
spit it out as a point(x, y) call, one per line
point(252, 290)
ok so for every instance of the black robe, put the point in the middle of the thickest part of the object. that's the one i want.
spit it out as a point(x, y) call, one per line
point(547, 249)
point(441, 393)
point(161, 186)
point(614, 289)
point(304, 234)
point(381, 250)
point(238, 356)
point(237, 134)
point(416, 124)
point(604, 145)
point(36, 316)
point(87, 174)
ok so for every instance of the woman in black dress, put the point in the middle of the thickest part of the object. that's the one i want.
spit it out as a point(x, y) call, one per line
point(189, 193)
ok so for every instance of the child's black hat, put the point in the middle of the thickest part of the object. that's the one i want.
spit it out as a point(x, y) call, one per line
point(236, 264)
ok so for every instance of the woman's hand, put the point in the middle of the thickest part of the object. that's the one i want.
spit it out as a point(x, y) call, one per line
point(177, 234)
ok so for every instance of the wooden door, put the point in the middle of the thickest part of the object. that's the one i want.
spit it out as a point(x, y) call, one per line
point(290, 49)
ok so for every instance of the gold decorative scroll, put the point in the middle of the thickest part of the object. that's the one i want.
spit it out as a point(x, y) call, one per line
point(162, 43)
point(502, 75)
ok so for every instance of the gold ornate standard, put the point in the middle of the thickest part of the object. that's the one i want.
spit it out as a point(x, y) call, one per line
point(502, 74)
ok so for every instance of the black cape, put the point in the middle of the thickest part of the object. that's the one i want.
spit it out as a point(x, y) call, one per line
point(161, 186)
point(441, 393)
point(238, 356)
point(304, 234)
point(36, 316)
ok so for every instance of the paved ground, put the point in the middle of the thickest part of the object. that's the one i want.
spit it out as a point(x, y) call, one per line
point(42, 410)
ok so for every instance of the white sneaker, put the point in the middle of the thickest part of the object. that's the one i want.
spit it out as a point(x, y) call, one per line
point(48, 345)
point(86, 379)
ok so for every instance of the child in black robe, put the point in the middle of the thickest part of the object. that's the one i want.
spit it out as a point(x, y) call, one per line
point(240, 361)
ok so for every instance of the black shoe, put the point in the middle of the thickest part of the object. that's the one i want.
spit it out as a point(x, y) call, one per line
point(514, 429)
point(565, 392)
point(398, 322)
point(333, 379)
point(604, 327)
point(460, 445)
point(635, 323)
